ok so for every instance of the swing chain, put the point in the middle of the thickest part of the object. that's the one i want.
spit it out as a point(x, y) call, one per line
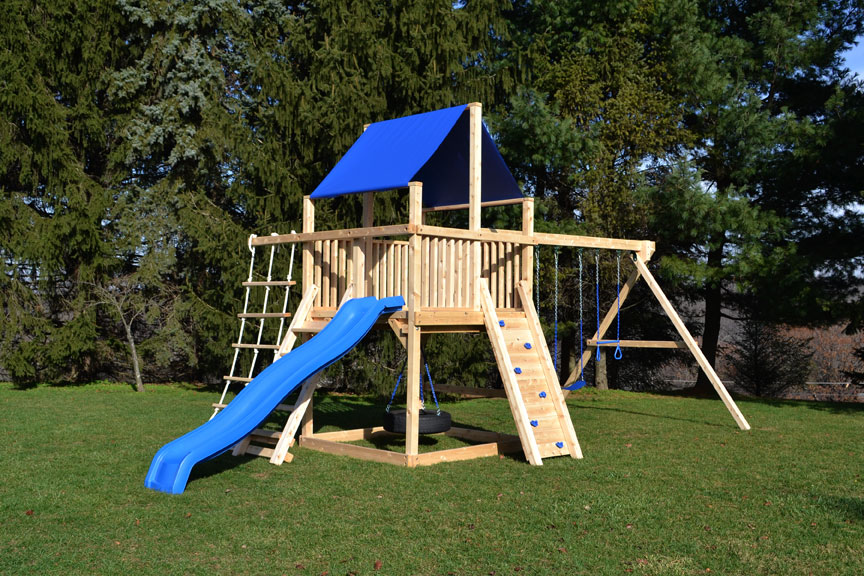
point(537, 278)
point(581, 316)
point(597, 296)
point(618, 354)
point(398, 381)
point(556, 309)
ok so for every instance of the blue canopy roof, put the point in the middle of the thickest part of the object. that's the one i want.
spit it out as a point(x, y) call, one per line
point(432, 148)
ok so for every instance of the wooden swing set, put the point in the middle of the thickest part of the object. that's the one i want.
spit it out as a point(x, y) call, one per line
point(474, 280)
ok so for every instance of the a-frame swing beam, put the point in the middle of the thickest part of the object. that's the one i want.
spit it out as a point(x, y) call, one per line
point(687, 339)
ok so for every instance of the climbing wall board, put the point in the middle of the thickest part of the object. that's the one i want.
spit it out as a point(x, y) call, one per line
point(508, 375)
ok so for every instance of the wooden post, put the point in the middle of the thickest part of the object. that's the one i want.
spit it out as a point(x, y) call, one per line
point(691, 343)
point(527, 249)
point(475, 167)
point(365, 287)
point(412, 417)
point(308, 247)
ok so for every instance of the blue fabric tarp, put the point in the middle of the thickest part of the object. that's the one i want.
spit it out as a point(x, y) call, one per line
point(432, 148)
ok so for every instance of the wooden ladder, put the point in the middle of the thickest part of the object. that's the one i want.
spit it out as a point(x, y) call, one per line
point(261, 442)
point(536, 400)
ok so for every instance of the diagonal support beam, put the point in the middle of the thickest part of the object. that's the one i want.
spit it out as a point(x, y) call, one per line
point(691, 344)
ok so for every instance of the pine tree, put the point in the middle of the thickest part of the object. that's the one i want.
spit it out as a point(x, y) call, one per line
point(766, 94)
point(57, 179)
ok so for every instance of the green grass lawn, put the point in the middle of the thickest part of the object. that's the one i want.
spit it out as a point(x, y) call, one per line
point(668, 486)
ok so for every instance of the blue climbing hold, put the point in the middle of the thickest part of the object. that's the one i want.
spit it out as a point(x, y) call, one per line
point(501, 323)
point(527, 345)
point(517, 370)
point(542, 394)
point(559, 444)
point(534, 423)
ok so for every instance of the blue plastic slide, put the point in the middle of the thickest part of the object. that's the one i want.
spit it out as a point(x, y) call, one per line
point(170, 468)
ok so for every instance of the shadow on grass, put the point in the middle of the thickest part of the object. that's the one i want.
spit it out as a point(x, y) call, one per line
point(218, 465)
point(852, 509)
point(832, 407)
point(650, 415)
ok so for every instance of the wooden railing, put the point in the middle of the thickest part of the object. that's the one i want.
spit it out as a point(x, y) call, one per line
point(445, 268)
point(379, 266)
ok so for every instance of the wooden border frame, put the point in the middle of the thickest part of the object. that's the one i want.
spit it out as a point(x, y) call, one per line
point(335, 442)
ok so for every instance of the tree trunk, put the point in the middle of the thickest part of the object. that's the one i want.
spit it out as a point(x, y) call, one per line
point(136, 368)
point(713, 309)
point(601, 381)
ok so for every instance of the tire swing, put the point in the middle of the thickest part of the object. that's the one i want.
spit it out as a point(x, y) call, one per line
point(430, 422)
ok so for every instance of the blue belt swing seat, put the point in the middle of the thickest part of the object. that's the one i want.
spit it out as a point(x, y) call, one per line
point(580, 383)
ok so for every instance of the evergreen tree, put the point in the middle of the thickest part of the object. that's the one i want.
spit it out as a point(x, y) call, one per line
point(58, 176)
point(750, 201)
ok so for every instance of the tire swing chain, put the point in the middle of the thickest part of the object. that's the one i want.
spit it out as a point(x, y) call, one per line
point(422, 399)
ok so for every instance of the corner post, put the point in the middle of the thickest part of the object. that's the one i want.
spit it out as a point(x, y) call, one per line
point(475, 168)
point(308, 247)
point(412, 388)
point(308, 279)
point(528, 249)
point(363, 282)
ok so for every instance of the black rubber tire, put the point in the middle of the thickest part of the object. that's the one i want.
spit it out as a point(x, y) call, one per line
point(430, 422)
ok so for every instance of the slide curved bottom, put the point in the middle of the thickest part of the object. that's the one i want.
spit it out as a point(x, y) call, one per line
point(169, 471)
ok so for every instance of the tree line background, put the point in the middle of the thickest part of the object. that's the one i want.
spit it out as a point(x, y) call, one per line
point(142, 141)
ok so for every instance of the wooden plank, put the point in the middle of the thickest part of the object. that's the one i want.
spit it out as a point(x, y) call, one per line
point(400, 328)
point(562, 413)
point(528, 250)
point(319, 266)
point(508, 275)
point(367, 223)
point(481, 234)
point(354, 434)
point(264, 315)
point(592, 242)
point(493, 272)
point(342, 274)
point(470, 392)
point(426, 273)
point(452, 276)
point(441, 299)
point(604, 326)
point(334, 272)
point(691, 344)
point(256, 346)
point(370, 232)
point(468, 453)
point(270, 283)
point(671, 344)
point(517, 407)
point(488, 203)
point(359, 452)
point(434, 277)
point(308, 247)
point(304, 401)
point(236, 379)
point(448, 316)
